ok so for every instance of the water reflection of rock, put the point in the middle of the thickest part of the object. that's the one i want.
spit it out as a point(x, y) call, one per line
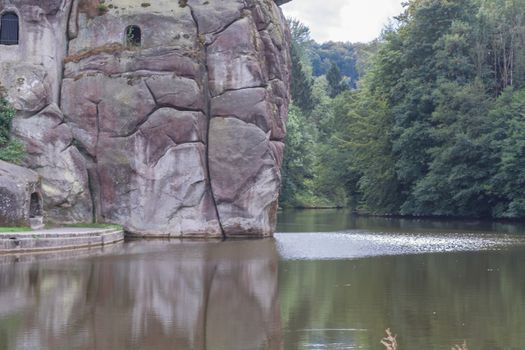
point(153, 296)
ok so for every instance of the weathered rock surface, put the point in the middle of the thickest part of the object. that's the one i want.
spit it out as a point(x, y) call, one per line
point(247, 198)
point(180, 135)
point(52, 153)
point(17, 185)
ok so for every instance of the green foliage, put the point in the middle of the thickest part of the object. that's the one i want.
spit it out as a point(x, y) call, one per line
point(102, 8)
point(15, 229)
point(437, 123)
point(298, 159)
point(507, 139)
point(10, 150)
point(351, 59)
point(6, 116)
point(301, 84)
point(425, 130)
point(344, 55)
point(96, 226)
point(335, 81)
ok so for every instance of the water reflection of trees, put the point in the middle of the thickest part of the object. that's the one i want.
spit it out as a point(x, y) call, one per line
point(183, 296)
point(432, 301)
point(330, 220)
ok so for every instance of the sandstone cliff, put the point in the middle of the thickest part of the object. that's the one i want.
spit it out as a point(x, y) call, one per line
point(167, 117)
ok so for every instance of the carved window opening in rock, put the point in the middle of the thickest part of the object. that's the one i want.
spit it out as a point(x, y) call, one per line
point(9, 29)
point(35, 205)
point(133, 36)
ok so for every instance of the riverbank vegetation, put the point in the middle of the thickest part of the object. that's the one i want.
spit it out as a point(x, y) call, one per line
point(92, 225)
point(435, 125)
point(14, 229)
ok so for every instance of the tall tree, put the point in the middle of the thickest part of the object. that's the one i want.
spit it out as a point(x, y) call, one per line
point(335, 81)
point(301, 84)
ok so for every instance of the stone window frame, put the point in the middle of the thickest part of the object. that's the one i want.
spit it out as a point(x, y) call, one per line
point(9, 9)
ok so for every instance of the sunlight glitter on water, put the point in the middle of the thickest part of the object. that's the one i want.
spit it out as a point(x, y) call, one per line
point(359, 244)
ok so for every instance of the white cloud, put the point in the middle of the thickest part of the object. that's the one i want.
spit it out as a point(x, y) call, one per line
point(343, 20)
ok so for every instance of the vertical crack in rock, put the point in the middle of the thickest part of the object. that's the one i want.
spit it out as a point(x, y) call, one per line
point(94, 177)
point(92, 191)
point(207, 96)
point(72, 22)
point(68, 9)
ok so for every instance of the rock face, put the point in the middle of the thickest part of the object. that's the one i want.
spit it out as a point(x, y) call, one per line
point(166, 117)
point(20, 198)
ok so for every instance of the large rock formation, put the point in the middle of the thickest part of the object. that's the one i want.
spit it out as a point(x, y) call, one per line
point(20, 198)
point(167, 117)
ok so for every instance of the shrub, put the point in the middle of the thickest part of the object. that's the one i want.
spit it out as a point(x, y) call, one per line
point(10, 150)
point(102, 8)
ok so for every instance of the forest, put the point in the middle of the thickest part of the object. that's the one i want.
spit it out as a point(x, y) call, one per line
point(428, 120)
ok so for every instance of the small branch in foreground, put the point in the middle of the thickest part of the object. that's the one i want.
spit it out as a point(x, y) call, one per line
point(389, 341)
point(462, 347)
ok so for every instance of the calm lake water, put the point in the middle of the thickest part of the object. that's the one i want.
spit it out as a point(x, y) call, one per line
point(327, 281)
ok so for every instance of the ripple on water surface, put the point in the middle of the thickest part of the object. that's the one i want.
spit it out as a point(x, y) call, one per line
point(358, 244)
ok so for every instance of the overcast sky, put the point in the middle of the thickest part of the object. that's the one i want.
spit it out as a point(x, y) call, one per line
point(343, 20)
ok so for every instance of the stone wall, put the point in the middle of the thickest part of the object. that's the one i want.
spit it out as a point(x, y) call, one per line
point(181, 136)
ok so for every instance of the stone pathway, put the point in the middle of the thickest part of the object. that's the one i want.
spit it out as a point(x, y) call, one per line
point(58, 239)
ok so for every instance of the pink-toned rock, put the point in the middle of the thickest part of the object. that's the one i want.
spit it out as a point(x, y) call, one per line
point(247, 197)
point(277, 148)
point(95, 104)
point(249, 105)
point(252, 105)
point(177, 92)
point(50, 151)
point(169, 127)
point(233, 59)
point(214, 16)
point(19, 188)
point(28, 87)
point(167, 118)
point(156, 196)
point(152, 60)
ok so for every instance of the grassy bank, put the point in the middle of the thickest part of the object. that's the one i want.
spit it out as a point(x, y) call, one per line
point(14, 229)
point(91, 225)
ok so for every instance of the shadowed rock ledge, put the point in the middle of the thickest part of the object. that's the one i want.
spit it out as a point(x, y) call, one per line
point(165, 117)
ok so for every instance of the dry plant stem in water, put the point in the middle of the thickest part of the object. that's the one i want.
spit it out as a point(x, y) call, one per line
point(462, 347)
point(389, 341)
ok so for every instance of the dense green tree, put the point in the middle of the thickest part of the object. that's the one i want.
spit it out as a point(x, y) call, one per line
point(335, 81)
point(298, 161)
point(344, 55)
point(301, 84)
point(457, 182)
point(436, 124)
point(507, 137)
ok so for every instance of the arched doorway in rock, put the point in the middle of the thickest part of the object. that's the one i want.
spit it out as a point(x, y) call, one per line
point(9, 28)
point(35, 205)
point(133, 36)
point(36, 212)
